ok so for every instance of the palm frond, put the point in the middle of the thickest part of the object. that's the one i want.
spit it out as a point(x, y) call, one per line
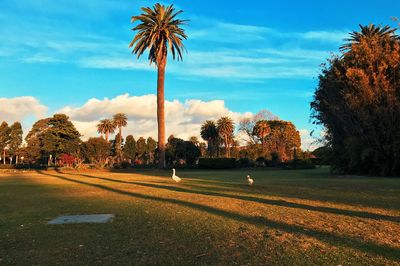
point(159, 31)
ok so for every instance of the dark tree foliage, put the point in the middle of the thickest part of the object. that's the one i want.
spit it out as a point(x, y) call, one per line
point(4, 139)
point(358, 102)
point(141, 148)
point(96, 151)
point(15, 138)
point(178, 149)
point(151, 146)
point(130, 147)
point(52, 136)
point(116, 146)
point(283, 139)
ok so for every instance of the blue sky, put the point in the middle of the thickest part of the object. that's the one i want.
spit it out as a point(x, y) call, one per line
point(252, 55)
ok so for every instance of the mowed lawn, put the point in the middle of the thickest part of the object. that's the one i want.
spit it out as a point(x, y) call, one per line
point(302, 217)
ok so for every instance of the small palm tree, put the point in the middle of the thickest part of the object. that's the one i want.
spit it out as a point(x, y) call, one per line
point(226, 127)
point(209, 133)
point(106, 127)
point(262, 130)
point(120, 120)
point(159, 32)
point(194, 140)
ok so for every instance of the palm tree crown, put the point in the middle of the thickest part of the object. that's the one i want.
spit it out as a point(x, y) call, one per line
point(368, 32)
point(159, 31)
point(209, 130)
point(261, 130)
point(209, 133)
point(106, 127)
point(120, 120)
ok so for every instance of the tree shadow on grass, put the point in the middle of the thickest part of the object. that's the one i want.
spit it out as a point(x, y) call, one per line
point(281, 203)
point(329, 188)
point(388, 252)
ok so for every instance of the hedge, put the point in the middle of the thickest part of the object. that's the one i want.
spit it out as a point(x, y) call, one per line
point(217, 163)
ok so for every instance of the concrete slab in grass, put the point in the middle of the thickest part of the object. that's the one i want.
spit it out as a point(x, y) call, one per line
point(76, 219)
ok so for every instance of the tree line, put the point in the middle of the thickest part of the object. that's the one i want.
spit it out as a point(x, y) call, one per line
point(263, 137)
point(56, 141)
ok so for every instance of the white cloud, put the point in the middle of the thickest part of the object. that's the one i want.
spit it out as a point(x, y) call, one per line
point(183, 119)
point(309, 142)
point(21, 108)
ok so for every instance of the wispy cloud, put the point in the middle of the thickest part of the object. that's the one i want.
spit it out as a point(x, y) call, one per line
point(41, 59)
point(245, 52)
point(327, 36)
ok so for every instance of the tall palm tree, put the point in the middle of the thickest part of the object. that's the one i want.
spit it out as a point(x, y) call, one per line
point(262, 130)
point(120, 120)
point(106, 127)
point(159, 31)
point(209, 133)
point(225, 128)
point(368, 32)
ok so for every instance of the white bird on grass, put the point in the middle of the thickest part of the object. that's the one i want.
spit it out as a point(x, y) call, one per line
point(250, 181)
point(175, 177)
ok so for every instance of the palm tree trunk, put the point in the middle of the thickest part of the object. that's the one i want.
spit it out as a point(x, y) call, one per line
point(107, 136)
point(4, 156)
point(226, 147)
point(120, 133)
point(119, 151)
point(161, 113)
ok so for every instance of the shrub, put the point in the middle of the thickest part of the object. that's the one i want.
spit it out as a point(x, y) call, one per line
point(66, 160)
point(261, 162)
point(299, 164)
point(122, 165)
point(217, 163)
point(245, 163)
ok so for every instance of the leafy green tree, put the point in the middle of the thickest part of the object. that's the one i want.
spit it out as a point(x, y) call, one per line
point(284, 139)
point(141, 148)
point(178, 149)
point(15, 140)
point(130, 147)
point(60, 137)
point(357, 101)
point(151, 146)
point(225, 127)
point(4, 139)
point(52, 136)
point(106, 127)
point(209, 133)
point(159, 31)
point(34, 151)
point(192, 152)
point(116, 147)
point(96, 151)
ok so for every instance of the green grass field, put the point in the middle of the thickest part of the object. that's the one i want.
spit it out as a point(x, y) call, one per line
point(305, 217)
